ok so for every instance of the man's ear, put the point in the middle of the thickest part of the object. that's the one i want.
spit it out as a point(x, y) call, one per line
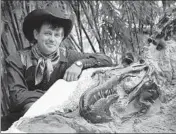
point(35, 33)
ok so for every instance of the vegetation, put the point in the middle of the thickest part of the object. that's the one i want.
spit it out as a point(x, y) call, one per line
point(102, 26)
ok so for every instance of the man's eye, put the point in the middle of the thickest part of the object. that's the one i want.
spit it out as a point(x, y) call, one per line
point(47, 33)
point(57, 35)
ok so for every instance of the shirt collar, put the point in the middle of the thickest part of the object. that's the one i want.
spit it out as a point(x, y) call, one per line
point(62, 54)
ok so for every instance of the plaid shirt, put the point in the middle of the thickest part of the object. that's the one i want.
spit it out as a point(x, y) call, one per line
point(21, 69)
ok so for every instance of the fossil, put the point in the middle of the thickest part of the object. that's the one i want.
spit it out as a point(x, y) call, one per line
point(95, 103)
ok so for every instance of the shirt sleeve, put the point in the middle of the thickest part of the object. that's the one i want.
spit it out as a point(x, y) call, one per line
point(89, 59)
point(18, 89)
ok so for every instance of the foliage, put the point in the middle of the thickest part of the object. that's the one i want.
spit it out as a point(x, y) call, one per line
point(111, 27)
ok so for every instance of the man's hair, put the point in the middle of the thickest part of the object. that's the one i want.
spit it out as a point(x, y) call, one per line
point(54, 24)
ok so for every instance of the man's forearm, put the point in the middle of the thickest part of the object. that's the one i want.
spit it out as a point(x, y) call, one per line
point(92, 62)
point(89, 59)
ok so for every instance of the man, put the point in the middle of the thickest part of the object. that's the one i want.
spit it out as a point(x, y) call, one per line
point(32, 71)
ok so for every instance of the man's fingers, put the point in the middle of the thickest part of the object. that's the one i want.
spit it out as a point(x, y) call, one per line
point(72, 73)
point(69, 75)
point(75, 77)
point(65, 76)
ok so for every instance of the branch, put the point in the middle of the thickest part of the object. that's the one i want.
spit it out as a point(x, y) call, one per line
point(95, 23)
point(88, 38)
point(75, 42)
point(89, 22)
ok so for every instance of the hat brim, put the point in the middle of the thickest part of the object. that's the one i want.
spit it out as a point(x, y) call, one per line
point(35, 19)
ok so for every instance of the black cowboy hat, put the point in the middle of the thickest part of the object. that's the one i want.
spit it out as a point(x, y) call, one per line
point(35, 18)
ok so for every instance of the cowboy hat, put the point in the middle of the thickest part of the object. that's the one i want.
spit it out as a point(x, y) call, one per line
point(35, 18)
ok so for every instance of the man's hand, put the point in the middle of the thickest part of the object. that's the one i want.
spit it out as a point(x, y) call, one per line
point(72, 73)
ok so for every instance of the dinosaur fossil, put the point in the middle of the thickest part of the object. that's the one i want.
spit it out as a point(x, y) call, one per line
point(95, 103)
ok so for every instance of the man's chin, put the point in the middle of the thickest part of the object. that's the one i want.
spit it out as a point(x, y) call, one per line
point(51, 50)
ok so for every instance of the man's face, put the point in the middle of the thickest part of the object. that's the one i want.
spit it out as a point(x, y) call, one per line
point(49, 38)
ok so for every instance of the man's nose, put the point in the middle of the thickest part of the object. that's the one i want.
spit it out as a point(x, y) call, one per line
point(52, 38)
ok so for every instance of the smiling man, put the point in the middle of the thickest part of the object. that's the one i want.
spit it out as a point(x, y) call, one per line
point(31, 72)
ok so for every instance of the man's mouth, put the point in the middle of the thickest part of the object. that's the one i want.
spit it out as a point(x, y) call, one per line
point(50, 44)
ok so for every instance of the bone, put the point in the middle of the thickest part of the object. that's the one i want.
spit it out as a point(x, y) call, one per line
point(96, 98)
point(99, 112)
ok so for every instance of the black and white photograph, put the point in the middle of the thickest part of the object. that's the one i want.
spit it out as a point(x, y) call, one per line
point(88, 66)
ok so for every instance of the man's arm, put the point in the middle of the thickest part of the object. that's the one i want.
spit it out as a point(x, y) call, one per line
point(86, 60)
point(20, 96)
point(89, 59)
